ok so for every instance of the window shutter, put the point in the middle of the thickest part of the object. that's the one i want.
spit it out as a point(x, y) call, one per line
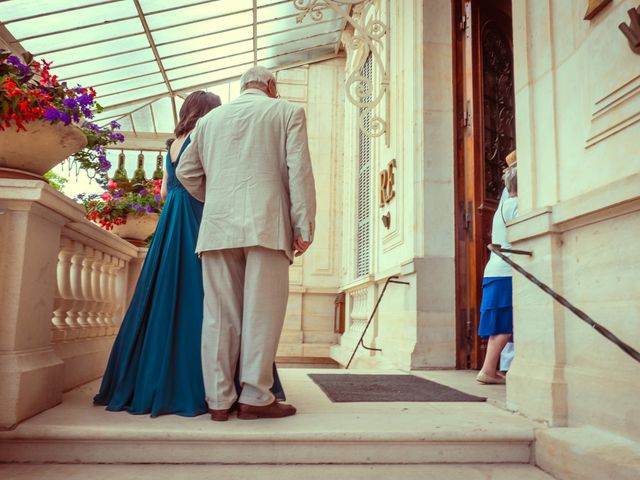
point(363, 247)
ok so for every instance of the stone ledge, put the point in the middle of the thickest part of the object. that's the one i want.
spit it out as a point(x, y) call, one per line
point(586, 453)
point(274, 472)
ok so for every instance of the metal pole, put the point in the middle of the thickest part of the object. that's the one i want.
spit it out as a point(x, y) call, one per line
point(375, 309)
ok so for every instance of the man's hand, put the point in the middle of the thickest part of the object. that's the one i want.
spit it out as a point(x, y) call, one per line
point(300, 246)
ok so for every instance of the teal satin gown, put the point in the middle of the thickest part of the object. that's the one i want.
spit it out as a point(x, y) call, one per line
point(155, 364)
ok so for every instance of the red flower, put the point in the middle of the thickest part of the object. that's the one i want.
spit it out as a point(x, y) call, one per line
point(112, 185)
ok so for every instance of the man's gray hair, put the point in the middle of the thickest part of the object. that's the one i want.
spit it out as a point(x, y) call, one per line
point(510, 178)
point(256, 74)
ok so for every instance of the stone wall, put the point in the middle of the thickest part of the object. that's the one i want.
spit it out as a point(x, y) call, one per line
point(314, 278)
point(578, 106)
point(415, 324)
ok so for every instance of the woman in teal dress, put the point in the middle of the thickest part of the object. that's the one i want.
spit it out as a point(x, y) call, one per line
point(155, 364)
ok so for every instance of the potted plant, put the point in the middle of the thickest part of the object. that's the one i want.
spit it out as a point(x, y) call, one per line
point(130, 209)
point(43, 121)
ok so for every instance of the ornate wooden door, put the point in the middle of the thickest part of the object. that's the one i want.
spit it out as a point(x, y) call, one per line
point(485, 135)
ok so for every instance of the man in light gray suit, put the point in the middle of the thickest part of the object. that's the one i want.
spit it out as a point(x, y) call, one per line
point(249, 163)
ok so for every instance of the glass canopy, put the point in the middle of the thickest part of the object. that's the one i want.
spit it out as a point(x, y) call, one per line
point(144, 56)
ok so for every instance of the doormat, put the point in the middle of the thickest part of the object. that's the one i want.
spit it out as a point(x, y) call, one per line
point(343, 388)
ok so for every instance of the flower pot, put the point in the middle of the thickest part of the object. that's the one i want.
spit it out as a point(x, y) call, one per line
point(32, 153)
point(138, 228)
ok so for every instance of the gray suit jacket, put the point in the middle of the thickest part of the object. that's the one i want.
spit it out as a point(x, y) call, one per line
point(249, 163)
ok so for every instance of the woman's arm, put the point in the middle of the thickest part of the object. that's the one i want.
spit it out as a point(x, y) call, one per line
point(163, 188)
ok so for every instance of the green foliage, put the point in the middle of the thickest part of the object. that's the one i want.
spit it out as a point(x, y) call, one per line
point(56, 181)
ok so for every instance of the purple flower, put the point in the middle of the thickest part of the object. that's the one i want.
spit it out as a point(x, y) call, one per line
point(114, 124)
point(52, 114)
point(85, 100)
point(70, 103)
point(66, 119)
point(138, 208)
point(149, 209)
point(94, 128)
point(158, 198)
point(15, 61)
point(143, 192)
point(87, 113)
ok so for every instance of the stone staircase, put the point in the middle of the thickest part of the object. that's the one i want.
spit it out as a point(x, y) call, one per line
point(325, 440)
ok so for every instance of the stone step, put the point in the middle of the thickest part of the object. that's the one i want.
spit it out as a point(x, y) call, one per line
point(397, 438)
point(321, 433)
point(273, 472)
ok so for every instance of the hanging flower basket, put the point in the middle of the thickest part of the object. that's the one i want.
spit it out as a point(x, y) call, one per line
point(42, 122)
point(129, 209)
point(137, 228)
point(32, 153)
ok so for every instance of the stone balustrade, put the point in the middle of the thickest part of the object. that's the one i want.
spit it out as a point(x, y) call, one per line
point(86, 300)
point(65, 284)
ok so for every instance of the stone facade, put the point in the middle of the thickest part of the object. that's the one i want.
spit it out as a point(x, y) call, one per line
point(314, 278)
point(578, 106)
point(577, 87)
point(415, 324)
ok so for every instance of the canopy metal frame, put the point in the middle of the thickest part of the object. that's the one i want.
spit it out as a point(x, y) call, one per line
point(314, 34)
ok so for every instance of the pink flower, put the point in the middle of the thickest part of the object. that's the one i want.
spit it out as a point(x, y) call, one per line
point(106, 196)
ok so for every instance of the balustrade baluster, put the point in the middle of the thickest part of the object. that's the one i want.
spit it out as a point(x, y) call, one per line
point(63, 298)
point(85, 290)
point(76, 291)
point(94, 294)
point(104, 300)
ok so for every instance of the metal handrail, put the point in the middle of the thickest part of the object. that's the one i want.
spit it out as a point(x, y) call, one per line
point(375, 309)
point(499, 251)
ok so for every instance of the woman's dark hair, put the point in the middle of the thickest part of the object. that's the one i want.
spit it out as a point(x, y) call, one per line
point(195, 106)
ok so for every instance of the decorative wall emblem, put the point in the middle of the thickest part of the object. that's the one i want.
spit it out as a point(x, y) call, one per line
point(632, 31)
point(371, 37)
point(386, 220)
point(595, 7)
point(387, 183)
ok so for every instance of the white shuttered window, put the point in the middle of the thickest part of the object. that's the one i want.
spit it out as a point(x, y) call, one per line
point(363, 247)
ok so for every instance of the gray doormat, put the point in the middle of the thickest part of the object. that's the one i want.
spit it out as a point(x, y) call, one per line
point(342, 388)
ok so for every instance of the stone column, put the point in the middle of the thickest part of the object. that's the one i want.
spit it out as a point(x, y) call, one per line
point(537, 385)
point(31, 218)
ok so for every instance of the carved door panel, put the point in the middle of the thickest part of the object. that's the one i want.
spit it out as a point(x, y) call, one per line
point(486, 134)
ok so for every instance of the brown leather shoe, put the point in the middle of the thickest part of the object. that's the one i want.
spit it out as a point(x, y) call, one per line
point(274, 410)
point(220, 415)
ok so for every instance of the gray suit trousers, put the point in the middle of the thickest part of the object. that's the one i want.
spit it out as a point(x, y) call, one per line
point(245, 301)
